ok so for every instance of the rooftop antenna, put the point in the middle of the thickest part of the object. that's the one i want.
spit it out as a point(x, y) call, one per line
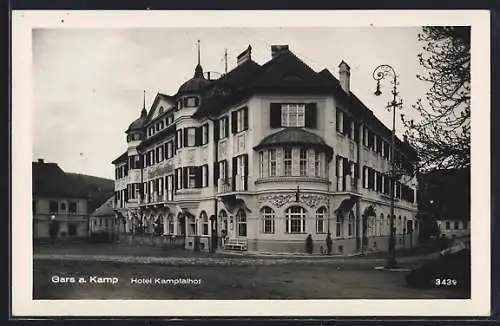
point(144, 99)
point(225, 60)
point(198, 51)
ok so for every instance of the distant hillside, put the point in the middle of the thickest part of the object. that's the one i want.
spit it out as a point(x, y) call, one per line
point(99, 189)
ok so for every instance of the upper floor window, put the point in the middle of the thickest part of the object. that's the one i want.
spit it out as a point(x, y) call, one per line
point(191, 137)
point(340, 120)
point(160, 110)
point(223, 125)
point(204, 134)
point(317, 164)
point(190, 101)
point(169, 149)
point(179, 138)
point(261, 164)
point(204, 175)
point(191, 174)
point(72, 207)
point(239, 120)
point(287, 161)
point(293, 115)
point(303, 162)
point(53, 207)
point(272, 162)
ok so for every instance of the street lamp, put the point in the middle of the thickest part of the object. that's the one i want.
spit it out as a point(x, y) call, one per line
point(380, 73)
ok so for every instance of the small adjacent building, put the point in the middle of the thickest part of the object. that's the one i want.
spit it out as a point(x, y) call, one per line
point(103, 223)
point(58, 200)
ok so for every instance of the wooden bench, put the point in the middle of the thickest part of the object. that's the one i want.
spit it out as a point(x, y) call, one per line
point(236, 244)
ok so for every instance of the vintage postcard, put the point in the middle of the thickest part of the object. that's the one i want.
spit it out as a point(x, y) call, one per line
point(285, 163)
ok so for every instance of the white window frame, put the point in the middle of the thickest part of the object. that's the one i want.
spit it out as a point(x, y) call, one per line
point(293, 115)
point(339, 226)
point(272, 163)
point(204, 134)
point(287, 160)
point(170, 149)
point(300, 216)
point(303, 162)
point(241, 219)
point(191, 175)
point(321, 216)
point(204, 172)
point(179, 179)
point(223, 132)
point(222, 170)
point(191, 137)
point(191, 102)
point(267, 216)
point(317, 164)
point(240, 120)
point(261, 164)
point(204, 223)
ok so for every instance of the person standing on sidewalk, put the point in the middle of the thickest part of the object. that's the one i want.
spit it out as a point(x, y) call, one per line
point(309, 244)
point(329, 243)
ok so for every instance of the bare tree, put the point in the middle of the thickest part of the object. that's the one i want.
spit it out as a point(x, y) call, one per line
point(441, 136)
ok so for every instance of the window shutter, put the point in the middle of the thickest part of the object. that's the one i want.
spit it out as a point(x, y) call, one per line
point(356, 170)
point(207, 127)
point(234, 166)
point(275, 115)
point(216, 173)
point(337, 117)
point(245, 161)
point(226, 121)
point(185, 137)
point(197, 136)
point(206, 174)
point(337, 165)
point(176, 177)
point(234, 122)
point(198, 175)
point(196, 101)
point(226, 169)
point(364, 177)
point(245, 118)
point(216, 130)
point(311, 115)
point(356, 132)
point(346, 166)
point(346, 125)
point(184, 177)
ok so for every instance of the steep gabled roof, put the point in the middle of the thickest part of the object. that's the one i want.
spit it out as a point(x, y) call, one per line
point(121, 158)
point(49, 180)
point(106, 209)
point(287, 72)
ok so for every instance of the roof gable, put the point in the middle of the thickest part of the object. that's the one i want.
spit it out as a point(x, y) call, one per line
point(49, 180)
point(161, 104)
point(106, 209)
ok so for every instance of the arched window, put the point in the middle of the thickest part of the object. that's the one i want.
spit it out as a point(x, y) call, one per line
point(350, 224)
point(267, 215)
point(295, 219)
point(223, 221)
point(181, 226)
point(339, 225)
point(241, 223)
point(204, 223)
point(159, 226)
point(320, 220)
point(170, 222)
point(192, 229)
point(382, 225)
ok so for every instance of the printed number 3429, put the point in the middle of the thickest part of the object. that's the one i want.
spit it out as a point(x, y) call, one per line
point(445, 281)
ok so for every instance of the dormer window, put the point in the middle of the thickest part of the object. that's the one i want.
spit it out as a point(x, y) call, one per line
point(160, 110)
point(190, 101)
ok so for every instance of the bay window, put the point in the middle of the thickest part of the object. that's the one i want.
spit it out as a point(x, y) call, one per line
point(272, 162)
point(303, 162)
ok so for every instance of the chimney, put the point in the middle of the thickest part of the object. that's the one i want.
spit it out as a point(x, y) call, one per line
point(40, 160)
point(345, 76)
point(244, 56)
point(277, 49)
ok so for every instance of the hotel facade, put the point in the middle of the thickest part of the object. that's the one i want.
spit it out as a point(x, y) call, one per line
point(262, 157)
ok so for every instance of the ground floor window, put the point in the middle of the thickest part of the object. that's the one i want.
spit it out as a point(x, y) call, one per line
point(320, 220)
point(267, 214)
point(339, 226)
point(295, 218)
point(350, 224)
point(170, 222)
point(192, 226)
point(241, 223)
point(72, 227)
point(204, 223)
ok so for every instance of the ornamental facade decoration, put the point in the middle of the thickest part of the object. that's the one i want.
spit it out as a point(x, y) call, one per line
point(279, 200)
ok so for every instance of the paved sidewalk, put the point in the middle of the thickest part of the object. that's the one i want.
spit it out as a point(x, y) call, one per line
point(212, 261)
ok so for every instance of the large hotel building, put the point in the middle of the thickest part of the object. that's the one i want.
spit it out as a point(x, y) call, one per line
point(262, 157)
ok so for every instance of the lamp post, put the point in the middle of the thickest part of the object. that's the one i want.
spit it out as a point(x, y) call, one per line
point(381, 72)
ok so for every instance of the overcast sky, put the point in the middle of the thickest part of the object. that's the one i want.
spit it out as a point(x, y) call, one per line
point(88, 83)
